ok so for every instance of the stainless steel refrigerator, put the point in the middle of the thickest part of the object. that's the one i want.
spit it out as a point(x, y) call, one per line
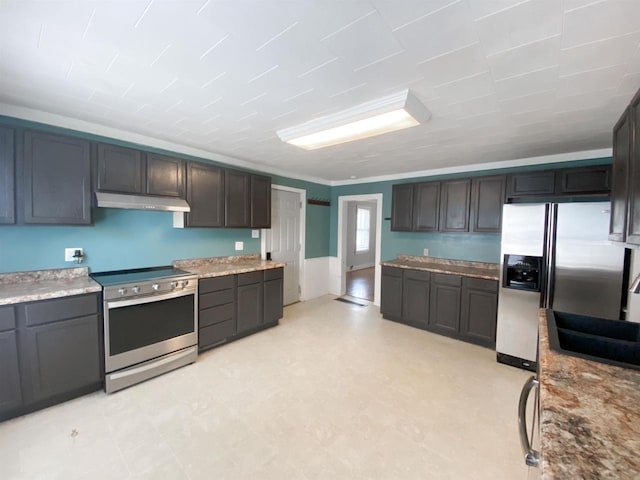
point(555, 256)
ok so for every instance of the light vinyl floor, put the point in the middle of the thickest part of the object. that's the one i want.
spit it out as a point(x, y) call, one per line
point(334, 392)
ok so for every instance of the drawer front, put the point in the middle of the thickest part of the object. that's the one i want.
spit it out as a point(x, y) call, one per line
point(445, 279)
point(249, 278)
point(273, 273)
point(481, 284)
point(420, 275)
point(214, 315)
point(215, 333)
point(7, 318)
point(60, 309)
point(213, 299)
point(392, 271)
point(218, 283)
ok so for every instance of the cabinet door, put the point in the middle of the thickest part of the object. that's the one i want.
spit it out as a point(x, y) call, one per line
point(454, 212)
point(633, 229)
point(479, 311)
point(444, 309)
point(7, 177)
point(487, 201)
point(260, 201)
point(391, 293)
point(585, 180)
point(532, 184)
point(620, 184)
point(10, 393)
point(237, 200)
point(120, 169)
point(250, 306)
point(165, 176)
point(272, 300)
point(415, 297)
point(402, 207)
point(205, 195)
point(62, 357)
point(57, 179)
point(426, 207)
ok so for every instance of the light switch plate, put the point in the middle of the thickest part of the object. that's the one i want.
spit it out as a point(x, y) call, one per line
point(239, 245)
point(425, 252)
point(255, 233)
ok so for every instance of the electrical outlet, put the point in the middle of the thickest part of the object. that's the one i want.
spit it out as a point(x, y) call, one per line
point(239, 245)
point(425, 252)
point(255, 233)
point(69, 252)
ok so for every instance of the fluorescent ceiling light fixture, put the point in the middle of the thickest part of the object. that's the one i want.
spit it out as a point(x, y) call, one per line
point(384, 115)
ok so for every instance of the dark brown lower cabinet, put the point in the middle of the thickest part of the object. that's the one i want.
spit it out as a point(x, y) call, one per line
point(444, 309)
point(415, 297)
point(391, 293)
point(234, 306)
point(50, 351)
point(460, 307)
point(479, 311)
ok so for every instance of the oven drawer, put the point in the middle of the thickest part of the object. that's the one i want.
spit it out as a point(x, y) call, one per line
point(215, 333)
point(214, 299)
point(214, 315)
point(207, 285)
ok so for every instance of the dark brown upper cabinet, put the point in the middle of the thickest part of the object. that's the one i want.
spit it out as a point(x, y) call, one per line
point(620, 187)
point(585, 180)
point(426, 207)
point(260, 201)
point(205, 195)
point(237, 199)
point(633, 227)
point(57, 179)
point(454, 200)
point(165, 175)
point(402, 207)
point(487, 200)
point(532, 184)
point(7, 176)
point(120, 169)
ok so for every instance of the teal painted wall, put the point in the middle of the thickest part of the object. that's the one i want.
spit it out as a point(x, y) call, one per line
point(475, 247)
point(131, 239)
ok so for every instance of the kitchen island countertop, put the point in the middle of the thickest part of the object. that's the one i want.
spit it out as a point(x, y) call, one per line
point(36, 285)
point(487, 271)
point(590, 416)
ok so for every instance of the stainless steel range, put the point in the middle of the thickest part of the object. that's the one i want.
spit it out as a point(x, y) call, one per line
point(150, 323)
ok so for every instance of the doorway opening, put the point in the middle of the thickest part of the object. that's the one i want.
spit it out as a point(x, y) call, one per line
point(284, 241)
point(359, 227)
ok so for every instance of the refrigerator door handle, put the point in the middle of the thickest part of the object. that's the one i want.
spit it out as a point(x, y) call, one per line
point(531, 456)
point(551, 254)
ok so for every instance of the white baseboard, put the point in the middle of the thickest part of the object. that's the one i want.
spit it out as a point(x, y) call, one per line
point(316, 275)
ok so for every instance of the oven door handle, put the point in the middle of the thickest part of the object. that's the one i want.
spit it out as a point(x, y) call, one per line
point(150, 299)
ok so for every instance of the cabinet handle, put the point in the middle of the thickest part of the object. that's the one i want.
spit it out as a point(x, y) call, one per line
point(531, 456)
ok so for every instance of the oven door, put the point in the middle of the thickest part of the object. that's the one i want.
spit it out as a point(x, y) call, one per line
point(140, 329)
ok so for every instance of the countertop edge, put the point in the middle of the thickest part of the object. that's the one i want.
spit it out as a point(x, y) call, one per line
point(49, 295)
point(469, 272)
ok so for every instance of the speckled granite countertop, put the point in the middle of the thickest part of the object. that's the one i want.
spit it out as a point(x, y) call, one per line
point(35, 285)
point(488, 271)
point(220, 266)
point(590, 417)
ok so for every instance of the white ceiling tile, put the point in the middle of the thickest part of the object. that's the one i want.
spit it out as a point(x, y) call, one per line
point(545, 79)
point(603, 53)
point(528, 58)
point(452, 66)
point(522, 24)
point(399, 14)
point(600, 20)
point(484, 8)
point(629, 84)
point(591, 81)
point(529, 103)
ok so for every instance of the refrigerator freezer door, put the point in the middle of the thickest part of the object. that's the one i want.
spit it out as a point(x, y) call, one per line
point(588, 271)
point(523, 233)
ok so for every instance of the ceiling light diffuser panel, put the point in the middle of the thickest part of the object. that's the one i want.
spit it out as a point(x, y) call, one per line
point(383, 115)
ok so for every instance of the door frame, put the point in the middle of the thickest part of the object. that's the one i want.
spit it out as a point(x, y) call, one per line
point(303, 227)
point(342, 240)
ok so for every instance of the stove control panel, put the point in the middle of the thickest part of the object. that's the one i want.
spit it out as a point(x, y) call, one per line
point(152, 288)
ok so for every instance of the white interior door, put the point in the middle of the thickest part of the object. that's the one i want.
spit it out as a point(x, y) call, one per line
point(283, 240)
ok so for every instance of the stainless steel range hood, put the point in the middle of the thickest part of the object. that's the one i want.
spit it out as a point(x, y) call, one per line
point(140, 202)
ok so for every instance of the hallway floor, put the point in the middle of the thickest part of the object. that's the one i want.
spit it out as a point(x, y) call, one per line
point(334, 392)
point(360, 283)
